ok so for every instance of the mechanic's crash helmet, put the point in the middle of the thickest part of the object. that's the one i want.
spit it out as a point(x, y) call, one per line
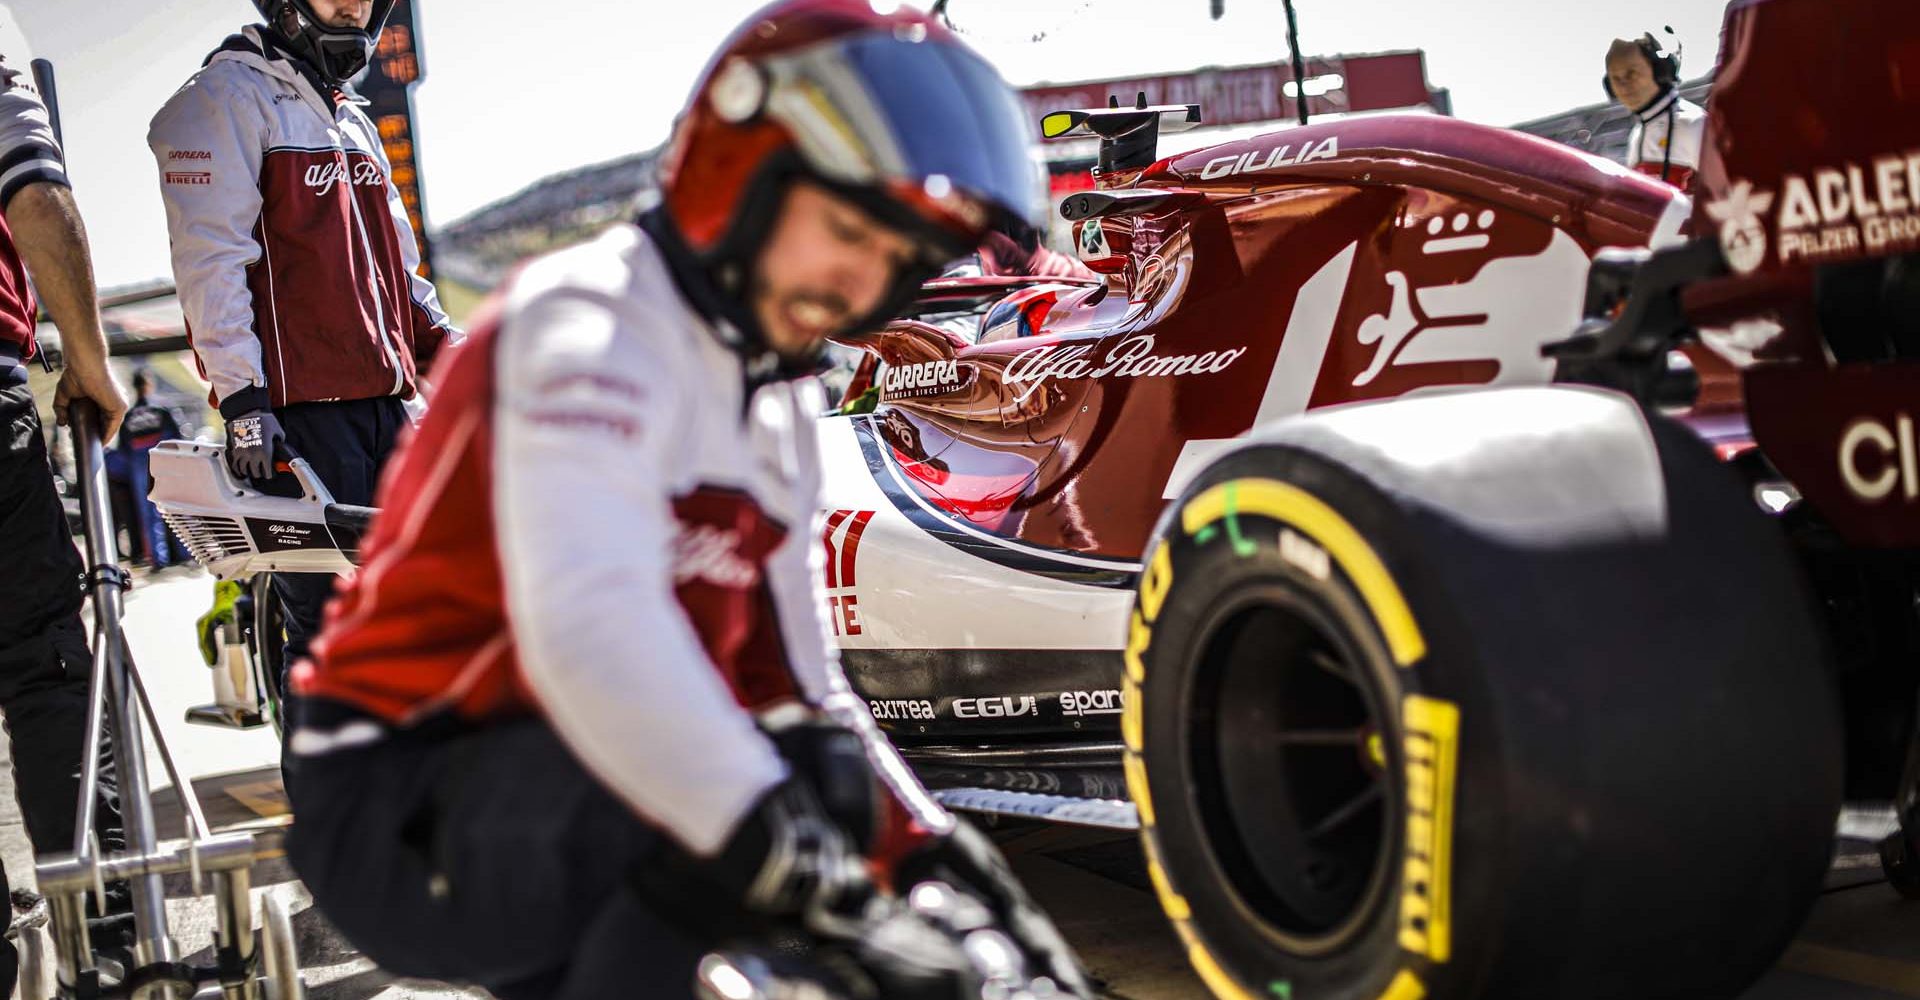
point(337, 54)
point(888, 110)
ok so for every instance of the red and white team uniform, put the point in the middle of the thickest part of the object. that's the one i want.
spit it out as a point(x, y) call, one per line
point(1666, 139)
point(649, 553)
point(296, 263)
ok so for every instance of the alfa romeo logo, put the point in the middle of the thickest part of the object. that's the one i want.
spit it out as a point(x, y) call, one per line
point(1093, 240)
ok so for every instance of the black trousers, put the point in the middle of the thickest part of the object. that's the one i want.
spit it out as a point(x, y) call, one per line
point(492, 857)
point(45, 665)
point(347, 443)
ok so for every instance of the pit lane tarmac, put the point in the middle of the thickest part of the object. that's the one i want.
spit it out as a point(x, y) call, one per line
point(1862, 943)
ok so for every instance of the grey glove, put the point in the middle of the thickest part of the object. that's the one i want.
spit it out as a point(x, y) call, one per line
point(968, 861)
point(251, 441)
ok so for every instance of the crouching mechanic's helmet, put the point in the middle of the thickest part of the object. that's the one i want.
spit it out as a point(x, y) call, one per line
point(888, 110)
point(336, 53)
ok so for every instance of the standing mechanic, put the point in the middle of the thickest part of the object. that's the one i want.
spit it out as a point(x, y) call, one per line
point(576, 720)
point(1668, 130)
point(296, 264)
point(45, 665)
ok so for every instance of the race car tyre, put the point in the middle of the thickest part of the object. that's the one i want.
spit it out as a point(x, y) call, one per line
point(1509, 693)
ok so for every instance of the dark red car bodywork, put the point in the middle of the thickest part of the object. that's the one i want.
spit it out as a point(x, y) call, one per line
point(1266, 283)
point(1811, 181)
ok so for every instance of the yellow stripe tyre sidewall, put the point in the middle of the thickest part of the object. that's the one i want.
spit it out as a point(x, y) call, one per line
point(1295, 508)
point(1309, 515)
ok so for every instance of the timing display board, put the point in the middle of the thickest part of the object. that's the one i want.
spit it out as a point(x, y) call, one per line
point(388, 87)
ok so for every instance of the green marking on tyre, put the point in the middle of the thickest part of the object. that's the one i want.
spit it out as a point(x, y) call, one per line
point(1241, 546)
point(1281, 989)
point(1206, 534)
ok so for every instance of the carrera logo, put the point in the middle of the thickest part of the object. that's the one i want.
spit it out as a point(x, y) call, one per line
point(1007, 707)
point(1075, 703)
point(188, 178)
point(189, 154)
point(1132, 358)
point(902, 710)
point(321, 177)
point(1265, 159)
point(927, 378)
point(711, 555)
point(1876, 459)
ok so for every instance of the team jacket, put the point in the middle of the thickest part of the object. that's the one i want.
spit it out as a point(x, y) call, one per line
point(296, 265)
point(28, 154)
point(1667, 138)
point(596, 521)
point(145, 426)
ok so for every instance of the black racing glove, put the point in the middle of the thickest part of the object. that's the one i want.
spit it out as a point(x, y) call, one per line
point(790, 860)
point(252, 439)
point(832, 760)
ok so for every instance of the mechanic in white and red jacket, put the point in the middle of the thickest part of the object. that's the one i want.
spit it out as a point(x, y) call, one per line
point(577, 720)
point(296, 264)
point(1668, 130)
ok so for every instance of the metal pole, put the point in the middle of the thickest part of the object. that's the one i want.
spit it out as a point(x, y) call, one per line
point(1299, 62)
point(233, 940)
point(72, 952)
point(50, 96)
point(104, 576)
point(90, 761)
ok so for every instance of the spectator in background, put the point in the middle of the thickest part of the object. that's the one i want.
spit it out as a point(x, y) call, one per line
point(1667, 131)
point(146, 425)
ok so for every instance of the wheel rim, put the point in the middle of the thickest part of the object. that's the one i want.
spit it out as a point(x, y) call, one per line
point(1289, 762)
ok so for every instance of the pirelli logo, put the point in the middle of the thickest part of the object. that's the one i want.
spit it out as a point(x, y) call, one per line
point(190, 178)
point(1433, 763)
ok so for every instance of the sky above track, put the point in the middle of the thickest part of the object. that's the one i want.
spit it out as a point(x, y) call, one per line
point(515, 91)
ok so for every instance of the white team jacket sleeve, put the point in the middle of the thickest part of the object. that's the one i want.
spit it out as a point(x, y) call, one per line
point(28, 151)
point(586, 413)
point(797, 568)
point(209, 140)
point(800, 601)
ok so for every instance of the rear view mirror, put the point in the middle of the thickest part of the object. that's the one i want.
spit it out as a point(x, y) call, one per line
point(1060, 123)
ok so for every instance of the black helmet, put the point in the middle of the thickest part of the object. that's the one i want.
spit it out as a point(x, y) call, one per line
point(337, 54)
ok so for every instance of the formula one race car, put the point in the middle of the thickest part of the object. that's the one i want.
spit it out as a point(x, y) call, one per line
point(1436, 649)
point(1453, 603)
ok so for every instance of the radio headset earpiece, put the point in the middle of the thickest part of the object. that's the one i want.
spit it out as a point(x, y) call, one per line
point(1664, 65)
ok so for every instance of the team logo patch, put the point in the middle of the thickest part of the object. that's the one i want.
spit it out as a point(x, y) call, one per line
point(1093, 240)
point(1742, 238)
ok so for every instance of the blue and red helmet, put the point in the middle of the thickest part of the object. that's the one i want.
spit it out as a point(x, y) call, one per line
point(889, 110)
